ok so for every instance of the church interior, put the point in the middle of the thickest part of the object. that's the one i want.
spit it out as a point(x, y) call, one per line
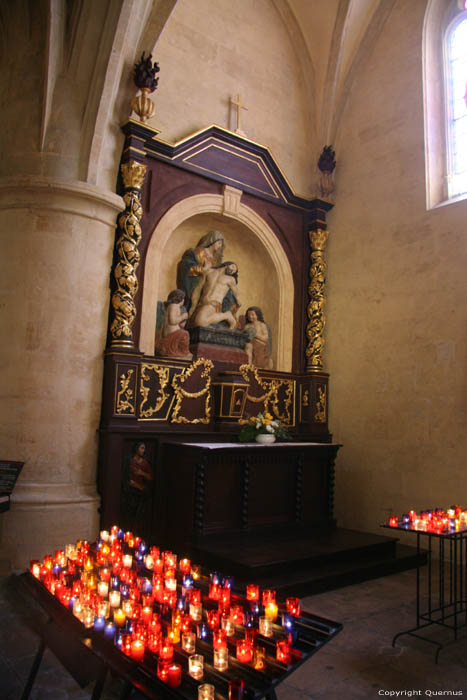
point(310, 157)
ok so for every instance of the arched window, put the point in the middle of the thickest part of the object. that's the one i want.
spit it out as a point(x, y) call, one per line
point(456, 106)
point(445, 100)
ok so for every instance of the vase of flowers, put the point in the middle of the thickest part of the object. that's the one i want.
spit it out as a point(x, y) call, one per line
point(263, 428)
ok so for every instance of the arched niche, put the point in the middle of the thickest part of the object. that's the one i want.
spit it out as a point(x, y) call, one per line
point(265, 275)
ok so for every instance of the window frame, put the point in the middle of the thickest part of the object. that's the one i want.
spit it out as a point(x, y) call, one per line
point(452, 193)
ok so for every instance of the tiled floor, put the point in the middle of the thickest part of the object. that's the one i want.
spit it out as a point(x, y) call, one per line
point(359, 663)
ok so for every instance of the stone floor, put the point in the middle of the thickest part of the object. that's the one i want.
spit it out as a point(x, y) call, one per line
point(359, 663)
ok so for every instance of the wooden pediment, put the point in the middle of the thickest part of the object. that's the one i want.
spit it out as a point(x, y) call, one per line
point(224, 156)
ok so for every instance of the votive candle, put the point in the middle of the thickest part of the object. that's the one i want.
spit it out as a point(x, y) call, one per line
point(265, 627)
point(206, 691)
point(221, 658)
point(244, 651)
point(196, 666)
point(174, 675)
point(189, 641)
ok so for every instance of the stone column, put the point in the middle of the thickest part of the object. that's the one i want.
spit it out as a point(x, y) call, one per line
point(57, 237)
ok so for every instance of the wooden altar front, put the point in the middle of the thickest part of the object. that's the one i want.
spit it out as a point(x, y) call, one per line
point(225, 488)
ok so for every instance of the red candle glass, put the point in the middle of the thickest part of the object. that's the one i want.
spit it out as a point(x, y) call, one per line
point(293, 606)
point(236, 688)
point(252, 592)
point(137, 650)
point(163, 670)
point(236, 614)
point(244, 651)
point(213, 619)
point(283, 652)
point(195, 596)
point(166, 650)
point(219, 640)
point(269, 596)
point(214, 591)
point(174, 675)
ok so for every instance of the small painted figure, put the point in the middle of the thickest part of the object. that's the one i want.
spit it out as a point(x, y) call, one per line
point(259, 345)
point(136, 490)
point(172, 340)
point(209, 303)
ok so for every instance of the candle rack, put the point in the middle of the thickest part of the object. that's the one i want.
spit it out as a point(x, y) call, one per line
point(56, 581)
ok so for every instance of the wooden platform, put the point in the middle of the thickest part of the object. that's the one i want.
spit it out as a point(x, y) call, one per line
point(297, 562)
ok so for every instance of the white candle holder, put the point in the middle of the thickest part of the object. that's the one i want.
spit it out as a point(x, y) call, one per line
point(196, 666)
point(221, 659)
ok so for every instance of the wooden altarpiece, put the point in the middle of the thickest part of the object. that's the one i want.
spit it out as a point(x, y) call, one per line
point(160, 401)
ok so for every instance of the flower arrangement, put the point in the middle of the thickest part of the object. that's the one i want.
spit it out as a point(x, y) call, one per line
point(263, 424)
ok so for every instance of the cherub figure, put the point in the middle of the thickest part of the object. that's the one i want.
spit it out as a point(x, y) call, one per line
point(172, 340)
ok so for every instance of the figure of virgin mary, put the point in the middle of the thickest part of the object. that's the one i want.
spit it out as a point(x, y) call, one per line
point(195, 262)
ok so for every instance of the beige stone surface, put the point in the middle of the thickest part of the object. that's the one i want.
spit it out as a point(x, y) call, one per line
point(57, 239)
point(396, 343)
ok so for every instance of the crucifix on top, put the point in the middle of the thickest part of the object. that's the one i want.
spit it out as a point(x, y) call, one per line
point(239, 105)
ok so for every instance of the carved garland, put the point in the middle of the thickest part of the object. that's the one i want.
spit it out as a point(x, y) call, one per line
point(181, 393)
point(315, 309)
point(127, 257)
point(271, 389)
point(163, 374)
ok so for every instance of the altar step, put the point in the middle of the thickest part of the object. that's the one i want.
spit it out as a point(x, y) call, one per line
point(299, 563)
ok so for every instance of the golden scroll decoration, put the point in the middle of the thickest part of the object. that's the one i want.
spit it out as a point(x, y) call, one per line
point(125, 402)
point(315, 308)
point(320, 415)
point(127, 257)
point(162, 395)
point(182, 394)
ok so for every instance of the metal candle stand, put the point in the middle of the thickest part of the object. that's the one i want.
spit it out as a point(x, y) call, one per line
point(445, 588)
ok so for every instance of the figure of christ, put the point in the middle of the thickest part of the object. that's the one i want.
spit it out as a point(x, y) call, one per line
point(259, 346)
point(218, 282)
point(173, 340)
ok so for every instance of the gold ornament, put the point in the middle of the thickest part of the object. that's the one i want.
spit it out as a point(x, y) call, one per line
point(143, 105)
point(315, 308)
point(128, 257)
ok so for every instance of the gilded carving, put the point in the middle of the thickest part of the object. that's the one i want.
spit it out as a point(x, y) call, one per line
point(127, 258)
point(133, 174)
point(270, 397)
point(306, 398)
point(317, 301)
point(181, 393)
point(320, 415)
point(162, 395)
point(125, 402)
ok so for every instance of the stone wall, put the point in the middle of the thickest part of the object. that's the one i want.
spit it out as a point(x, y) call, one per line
point(396, 343)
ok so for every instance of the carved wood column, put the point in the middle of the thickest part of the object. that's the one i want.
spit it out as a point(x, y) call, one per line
point(126, 258)
point(317, 300)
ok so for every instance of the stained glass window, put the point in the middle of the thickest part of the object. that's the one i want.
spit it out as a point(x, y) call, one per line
point(457, 107)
